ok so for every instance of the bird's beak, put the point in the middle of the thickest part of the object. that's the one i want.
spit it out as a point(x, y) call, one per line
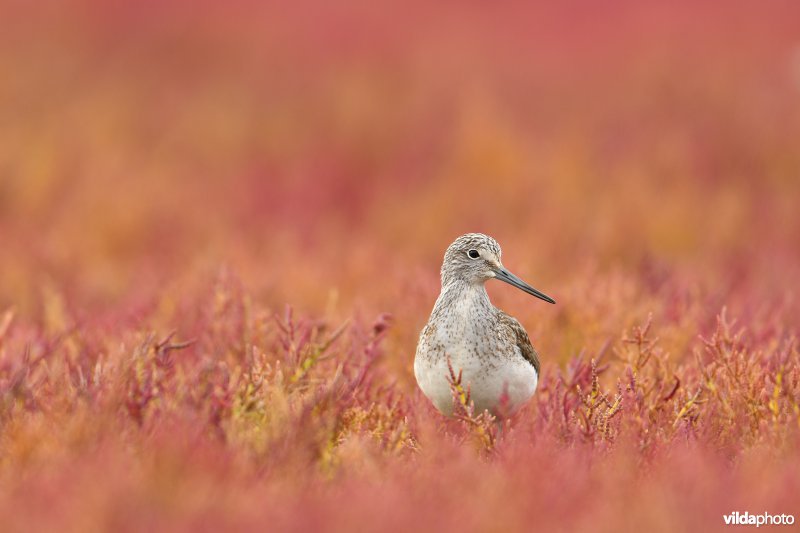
point(504, 275)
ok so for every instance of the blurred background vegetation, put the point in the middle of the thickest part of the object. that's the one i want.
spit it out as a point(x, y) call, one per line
point(194, 167)
point(328, 153)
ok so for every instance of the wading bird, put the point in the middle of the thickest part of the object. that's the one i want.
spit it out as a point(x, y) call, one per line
point(489, 348)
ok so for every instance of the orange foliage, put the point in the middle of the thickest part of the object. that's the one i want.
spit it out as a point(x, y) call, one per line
point(221, 229)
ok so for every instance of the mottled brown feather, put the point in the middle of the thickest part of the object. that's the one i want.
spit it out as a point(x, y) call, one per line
point(521, 338)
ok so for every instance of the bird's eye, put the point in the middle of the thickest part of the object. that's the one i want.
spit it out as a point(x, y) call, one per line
point(474, 254)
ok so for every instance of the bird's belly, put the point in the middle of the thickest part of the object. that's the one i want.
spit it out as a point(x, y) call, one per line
point(511, 381)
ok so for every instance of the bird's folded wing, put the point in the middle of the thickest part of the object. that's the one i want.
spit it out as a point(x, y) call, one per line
point(521, 338)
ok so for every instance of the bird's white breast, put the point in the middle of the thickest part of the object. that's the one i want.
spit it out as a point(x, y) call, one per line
point(467, 335)
point(517, 380)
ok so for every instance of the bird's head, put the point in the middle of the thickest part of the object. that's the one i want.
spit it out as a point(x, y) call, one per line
point(474, 258)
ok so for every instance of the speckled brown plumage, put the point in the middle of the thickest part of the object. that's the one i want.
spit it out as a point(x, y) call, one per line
point(523, 341)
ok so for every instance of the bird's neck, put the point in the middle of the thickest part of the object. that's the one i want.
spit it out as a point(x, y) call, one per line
point(461, 297)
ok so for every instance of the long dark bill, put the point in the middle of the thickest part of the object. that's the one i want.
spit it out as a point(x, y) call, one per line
point(504, 275)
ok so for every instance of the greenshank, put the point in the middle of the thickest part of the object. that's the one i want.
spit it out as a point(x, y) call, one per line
point(487, 347)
